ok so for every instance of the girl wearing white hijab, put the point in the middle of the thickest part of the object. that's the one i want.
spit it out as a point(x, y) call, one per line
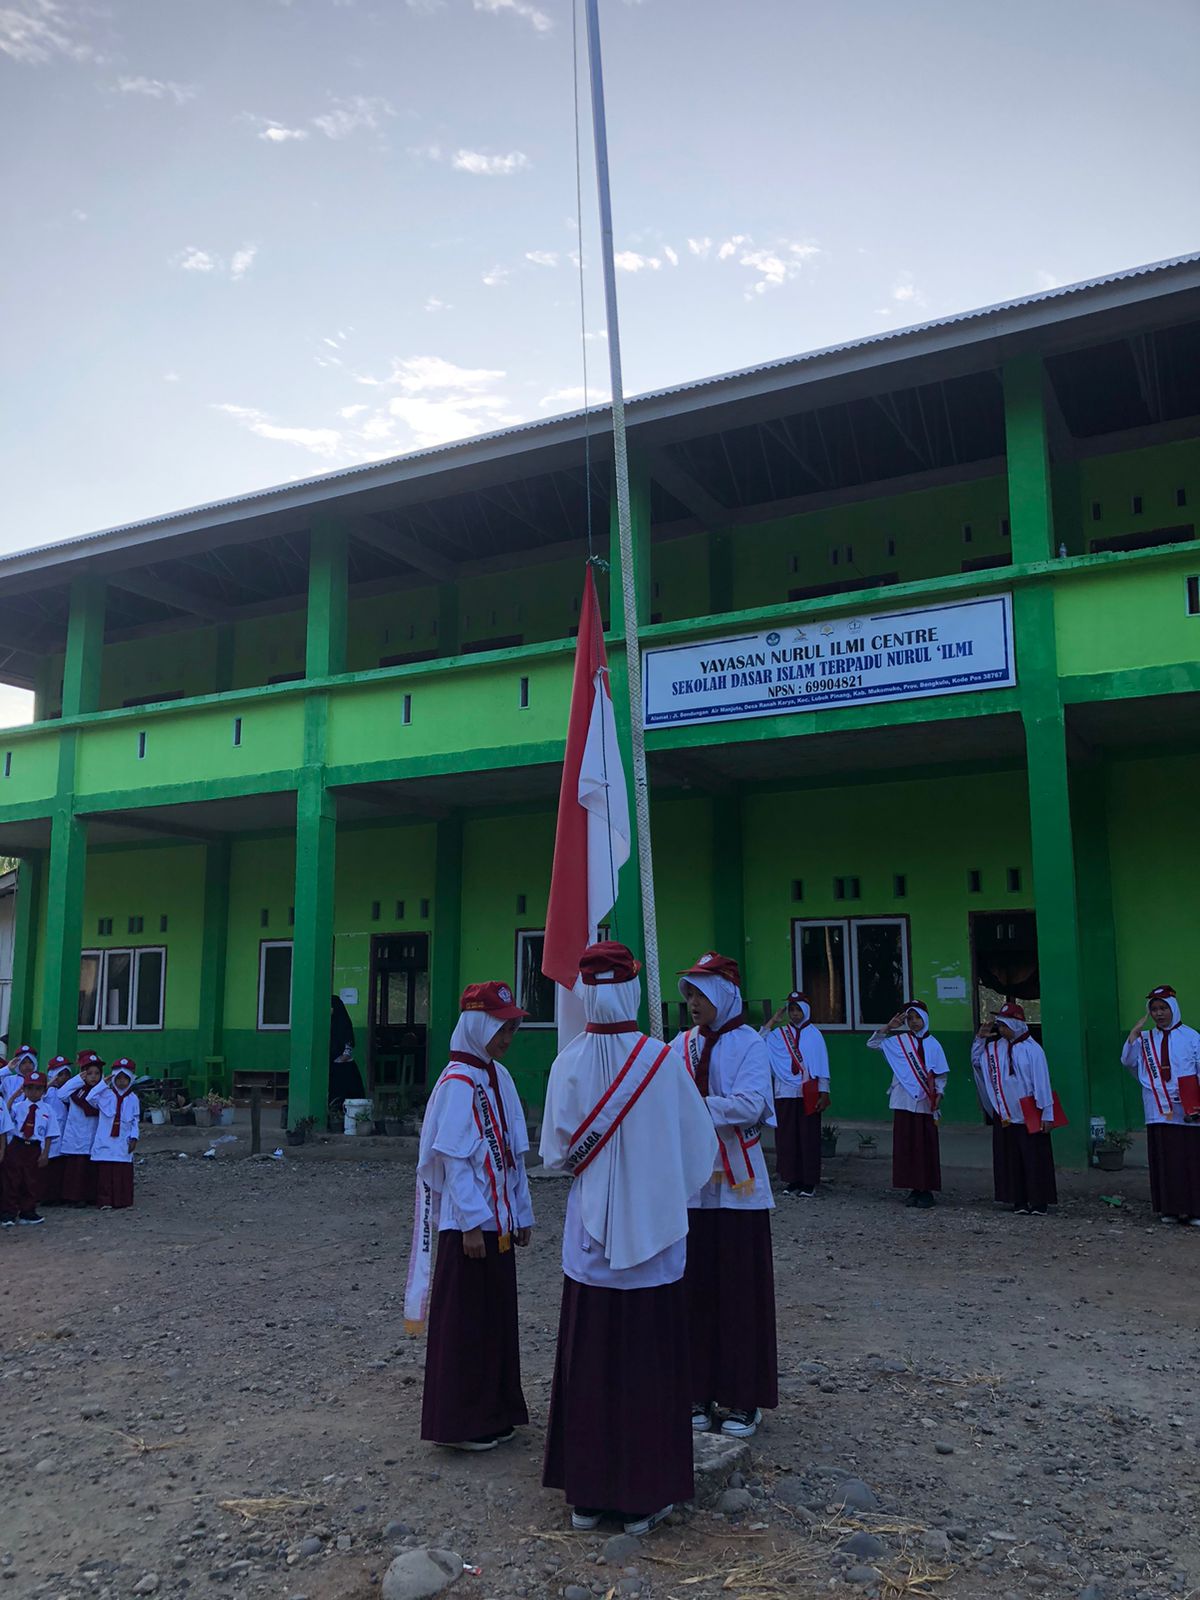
point(730, 1278)
point(919, 1073)
point(1013, 1074)
point(472, 1187)
point(1165, 1059)
point(624, 1118)
point(800, 1068)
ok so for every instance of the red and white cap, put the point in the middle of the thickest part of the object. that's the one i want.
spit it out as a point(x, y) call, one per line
point(608, 962)
point(494, 998)
point(88, 1058)
point(1010, 1011)
point(37, 1080)
point(123, 1065)
point(1163, 991)
point(57, 1063)
point(714, 965)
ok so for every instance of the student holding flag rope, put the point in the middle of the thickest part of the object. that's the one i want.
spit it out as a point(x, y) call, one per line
point(800, 1066)
point(730, 1276)
point(472, 1187)
point(919, 1073)
point(624, 1119)
point(1013, 1074)
point(1165, 1059)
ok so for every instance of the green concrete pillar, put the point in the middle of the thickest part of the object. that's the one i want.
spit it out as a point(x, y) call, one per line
point(1030, 491)
point(626, 923)
point(85, 647)
point(214, 948)
point(1114, 1093)
point(448, 633)
point(312, 949)
point(445, 965)
point(223, 669)
point(45, 689)
point(25, 938)
point(325, 645)
point(63, 941)
point(720, 573)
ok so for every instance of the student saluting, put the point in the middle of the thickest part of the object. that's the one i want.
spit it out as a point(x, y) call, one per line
point(919, 1072)
point(472, 1187)
point(1165, 1059)
point(800, 1068)
point(730, 1278)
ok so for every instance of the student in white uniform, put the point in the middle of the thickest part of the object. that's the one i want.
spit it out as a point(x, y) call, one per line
point(1163, 1053)
point(624, 1118)
point(58, 1071)
point(1013, 1072)
point(27, 1153)
point(79, 1132)
point(116, 1136)
point(472, 1187)
point(17, 1071)
point(919, 1072)
point(800, 1069)
point(730, 1277)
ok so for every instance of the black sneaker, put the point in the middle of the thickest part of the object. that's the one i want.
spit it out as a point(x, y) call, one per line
point(8, 1222)
point(584, 1519)
point(637, 1526)
point(30, 1219)
point(701, 1416)
point(741, 1424)
point(925, 1201)
point(914, 1198)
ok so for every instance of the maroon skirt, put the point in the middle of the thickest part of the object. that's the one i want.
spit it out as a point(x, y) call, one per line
point(1030, 1167)
point(78, 1180)
point(20, 1179)
point(472, 1353)
point(1174, 1156)
point(114, 1184)
point(730, 1288)
point(916, 1160)
point(50, 1180)
point(619, 1436)
point(797, 1144)
point(1002, 1181)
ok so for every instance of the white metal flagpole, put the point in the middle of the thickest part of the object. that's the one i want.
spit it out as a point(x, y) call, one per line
point(633, 656)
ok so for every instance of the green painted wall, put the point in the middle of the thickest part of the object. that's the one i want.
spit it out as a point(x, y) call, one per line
point(261, 878)
point(1106, 624)
point(1155, 474)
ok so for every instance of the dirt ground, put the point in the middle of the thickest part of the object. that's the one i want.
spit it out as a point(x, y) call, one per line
point(199, 1392)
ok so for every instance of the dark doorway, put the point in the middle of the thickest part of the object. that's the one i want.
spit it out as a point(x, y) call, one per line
point(1004, 960)
point(399, 1011)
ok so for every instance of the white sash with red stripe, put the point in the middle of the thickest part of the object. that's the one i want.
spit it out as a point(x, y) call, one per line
point(614, 1105)
point(1155, 1082)
point(736, 1143)
point(922, 1080)
point(791, 1038)
point(995, 1082)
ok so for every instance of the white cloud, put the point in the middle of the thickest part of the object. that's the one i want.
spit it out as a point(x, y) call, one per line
point(193, 260)
point(242, 261)
point(438, 421)
point(906, 293)
point(350, 412)
point(434, 304)
point(537, 20)
point(428, 6)
point(631, 261)
point(36, 31)
point(170, 377)
point(1046, 280)
point(347, 116)
point(277, 132)
point(486, 166)
point(422, 374)
point(731, 247)
point(671, 255)
point(158, 89)
point(573, 398)
point(79, 216)
point(495, 275)
point(324, 442)
point(700, 247)
point(542, 258)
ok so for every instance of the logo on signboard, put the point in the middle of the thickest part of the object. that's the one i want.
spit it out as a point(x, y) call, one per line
point(772, 639)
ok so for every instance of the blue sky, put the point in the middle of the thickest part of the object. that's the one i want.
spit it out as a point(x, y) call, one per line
point(251, 240)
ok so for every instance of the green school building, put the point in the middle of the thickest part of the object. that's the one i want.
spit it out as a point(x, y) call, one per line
point(920, 618)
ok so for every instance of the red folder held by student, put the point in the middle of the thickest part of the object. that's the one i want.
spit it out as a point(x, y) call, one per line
point(1189, 1094)
point(1033, 1117)
point(811, 1091)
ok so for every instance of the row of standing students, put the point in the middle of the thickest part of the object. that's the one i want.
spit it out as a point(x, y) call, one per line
point(67, 1135)
point(667, 1321)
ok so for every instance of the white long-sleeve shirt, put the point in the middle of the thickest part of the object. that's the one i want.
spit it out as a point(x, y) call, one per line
point(739, 1096)
point(809, 1041)
point(1024, 1073)
point(466, 1196)
point(44, 1124)
point(899, 1097)
point(106, 1147)
point(1185, 1062)
point(79, 1129)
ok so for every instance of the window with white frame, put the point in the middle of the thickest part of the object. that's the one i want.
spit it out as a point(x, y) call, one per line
point(275, 984)
point(122, 990)
point(855, 970)
point(535, 992)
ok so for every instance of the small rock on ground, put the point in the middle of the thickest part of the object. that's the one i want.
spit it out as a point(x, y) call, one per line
point(620, 1549)
point(146, 1585)
point(734, 1501)
point(864, 1575)
point(866, 1545)
point(419, 1573)
point(855, 1494)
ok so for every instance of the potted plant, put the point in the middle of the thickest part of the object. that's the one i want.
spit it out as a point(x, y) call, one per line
point(183, 1117)
point(153, 1109)
point(867, 1146)
point(1109, 1152)
point(298, 1132)
point(363, 1122)
point(220, 1110)
point(829, 1138)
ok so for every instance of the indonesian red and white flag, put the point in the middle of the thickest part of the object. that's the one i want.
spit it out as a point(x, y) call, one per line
point(592, 842)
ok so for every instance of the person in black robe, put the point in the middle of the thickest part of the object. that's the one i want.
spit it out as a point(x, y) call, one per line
point(345, 1079)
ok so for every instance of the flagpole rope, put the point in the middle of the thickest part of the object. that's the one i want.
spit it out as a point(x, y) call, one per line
point(633, 658)
point(587, 415)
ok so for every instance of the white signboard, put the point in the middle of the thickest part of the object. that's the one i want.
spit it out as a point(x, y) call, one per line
point(348, 997)
point(889, 655)
point(952, 988)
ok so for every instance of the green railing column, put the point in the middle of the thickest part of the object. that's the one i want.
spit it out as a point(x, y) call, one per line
point(25, 941)
point(325, 647)
point(1115, 1096)
point(447, 619)
point(728, 879)
point(85, 646)
point(627, 922)
point(312, 948)
point(214, 950)
point(66, 879)
point(445, 965)
point(1031, 514)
